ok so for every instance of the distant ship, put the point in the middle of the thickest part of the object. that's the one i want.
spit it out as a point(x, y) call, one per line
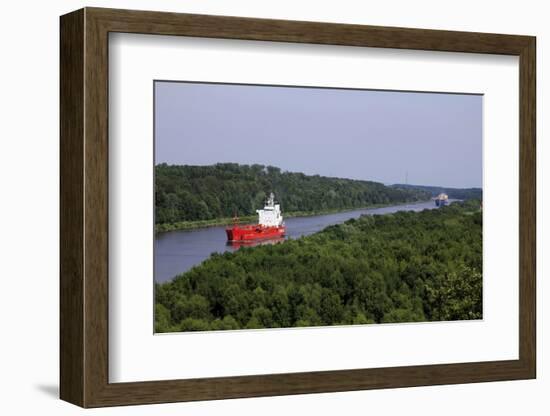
point(442, 200)
point(270, 224)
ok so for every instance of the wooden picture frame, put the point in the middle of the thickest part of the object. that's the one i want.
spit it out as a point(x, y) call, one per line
point(84, 207)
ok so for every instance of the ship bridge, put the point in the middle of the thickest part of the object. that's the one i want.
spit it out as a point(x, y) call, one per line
point(270, 216)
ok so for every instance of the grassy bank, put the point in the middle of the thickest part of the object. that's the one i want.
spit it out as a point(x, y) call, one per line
point(201, 193)
point(192, 225)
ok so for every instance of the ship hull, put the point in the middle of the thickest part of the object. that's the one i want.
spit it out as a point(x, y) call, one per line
point(254, 232)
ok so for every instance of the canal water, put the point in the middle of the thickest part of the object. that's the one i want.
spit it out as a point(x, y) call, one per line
point(178, 251)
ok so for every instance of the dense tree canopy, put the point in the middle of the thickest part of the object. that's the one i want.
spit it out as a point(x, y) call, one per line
point(195, 193)
point(454, 193)
point(401, 267)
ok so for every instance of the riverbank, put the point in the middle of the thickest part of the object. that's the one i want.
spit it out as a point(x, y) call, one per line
point(349, 273)
point(193, 225)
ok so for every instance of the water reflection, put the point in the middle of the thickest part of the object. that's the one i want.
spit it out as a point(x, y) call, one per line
point(252, 243)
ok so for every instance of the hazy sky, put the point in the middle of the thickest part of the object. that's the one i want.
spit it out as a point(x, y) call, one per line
point(435, 139)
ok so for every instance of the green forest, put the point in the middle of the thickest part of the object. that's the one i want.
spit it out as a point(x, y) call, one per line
point(401, 267)
point(185, 193)
point(453, 193)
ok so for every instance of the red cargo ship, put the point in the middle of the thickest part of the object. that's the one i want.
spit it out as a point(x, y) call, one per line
point(270, 225)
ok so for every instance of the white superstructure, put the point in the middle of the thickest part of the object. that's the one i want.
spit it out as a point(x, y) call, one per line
point(270, 216)
point(442, 200)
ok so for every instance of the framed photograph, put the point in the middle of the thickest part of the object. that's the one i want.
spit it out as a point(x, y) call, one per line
point(255, 207)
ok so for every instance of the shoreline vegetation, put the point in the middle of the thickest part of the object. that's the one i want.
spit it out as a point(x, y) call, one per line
point(400, 267)
point(188, 197)
point(193, 225)
point(453, 193)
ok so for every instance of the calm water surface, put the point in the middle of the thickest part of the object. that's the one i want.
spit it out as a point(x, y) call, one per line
point(178, 251)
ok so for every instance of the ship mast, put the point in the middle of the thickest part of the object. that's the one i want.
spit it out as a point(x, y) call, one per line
point(270, 200)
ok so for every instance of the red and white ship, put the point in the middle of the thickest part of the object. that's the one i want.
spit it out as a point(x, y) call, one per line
point(270, 225)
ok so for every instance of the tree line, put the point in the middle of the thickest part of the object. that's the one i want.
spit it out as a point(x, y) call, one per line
point(198, 193)
point(402, 267)
point(453, 193)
